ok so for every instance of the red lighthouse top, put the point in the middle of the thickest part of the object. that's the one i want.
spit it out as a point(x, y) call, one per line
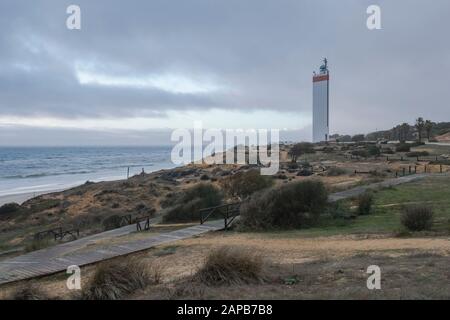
point(321, 77)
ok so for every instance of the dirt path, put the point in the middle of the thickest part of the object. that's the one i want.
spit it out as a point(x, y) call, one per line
point(285, 248)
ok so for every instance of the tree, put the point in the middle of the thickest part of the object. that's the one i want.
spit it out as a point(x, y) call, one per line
point(358, 138)
point(243, 184)
point(420, 124)
point(404, 132)
point(428, 128)
point(299, 149)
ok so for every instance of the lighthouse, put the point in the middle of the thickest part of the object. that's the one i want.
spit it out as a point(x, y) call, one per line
point(321, 104)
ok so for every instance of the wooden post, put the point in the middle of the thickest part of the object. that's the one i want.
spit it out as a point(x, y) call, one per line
point(409, 169)
point(404, 170)
point(425, 169)
point(415, 169)
point(441, 168)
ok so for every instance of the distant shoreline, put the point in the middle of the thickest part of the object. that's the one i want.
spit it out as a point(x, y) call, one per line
point(22, 197)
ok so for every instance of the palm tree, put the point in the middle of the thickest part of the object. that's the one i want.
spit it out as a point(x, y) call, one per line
point(420, 124)
point(428, 128)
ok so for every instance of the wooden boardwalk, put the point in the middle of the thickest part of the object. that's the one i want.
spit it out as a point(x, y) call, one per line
point(58, 258)
point(81, 252)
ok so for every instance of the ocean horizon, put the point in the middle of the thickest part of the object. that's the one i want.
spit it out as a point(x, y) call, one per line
point(39, 169)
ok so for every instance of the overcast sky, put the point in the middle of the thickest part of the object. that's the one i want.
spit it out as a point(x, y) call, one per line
point(139, 68)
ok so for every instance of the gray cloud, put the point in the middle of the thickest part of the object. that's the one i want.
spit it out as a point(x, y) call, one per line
point(262, 51)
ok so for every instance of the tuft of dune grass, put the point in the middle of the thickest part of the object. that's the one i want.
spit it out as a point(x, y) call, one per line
point(117, 279)
point(230, 266)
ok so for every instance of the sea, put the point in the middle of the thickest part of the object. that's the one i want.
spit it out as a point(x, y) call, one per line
point(25, 170)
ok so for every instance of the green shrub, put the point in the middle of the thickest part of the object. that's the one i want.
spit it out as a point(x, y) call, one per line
point(403, 147)
point(417, 218)
point(373, 150)
point(9, 210)
point(112, 222)
point(186, 207)
point(244, 184)
point(114, 280)
point(293, 166)
point(338, 210)
point(365, 202)
point(336, 171)
point(230, 266)
point(294, 205)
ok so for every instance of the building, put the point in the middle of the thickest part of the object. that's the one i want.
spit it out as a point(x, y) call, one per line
point(321, 104)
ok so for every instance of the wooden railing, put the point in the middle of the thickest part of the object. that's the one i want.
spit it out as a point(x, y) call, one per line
point(57, 234)
point(228, 211)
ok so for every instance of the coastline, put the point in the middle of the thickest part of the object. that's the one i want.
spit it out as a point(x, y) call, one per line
point(22, 197)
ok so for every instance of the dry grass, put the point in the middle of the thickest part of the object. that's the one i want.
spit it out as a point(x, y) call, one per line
point(230, 266)
point(28, 291)
point(118, 279)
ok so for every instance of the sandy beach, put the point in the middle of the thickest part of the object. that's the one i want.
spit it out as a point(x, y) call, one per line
point(22, 197)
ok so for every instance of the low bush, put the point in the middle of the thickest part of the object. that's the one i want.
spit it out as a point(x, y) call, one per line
point(230, 266)
point(365, 202)
point(338, 210)
point(294, 205)
point(117, 279)
point(403, 147)
point(112, 222)
point(417, 218)
point(29, 291)
point(244, 184)
point(373, 150)
point(336, 171)
point(186, 206)
point(8, 210)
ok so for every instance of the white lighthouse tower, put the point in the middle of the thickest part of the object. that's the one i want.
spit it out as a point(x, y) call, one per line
point(321, 106)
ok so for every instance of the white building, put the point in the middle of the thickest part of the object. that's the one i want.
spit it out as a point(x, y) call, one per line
point(321, 106)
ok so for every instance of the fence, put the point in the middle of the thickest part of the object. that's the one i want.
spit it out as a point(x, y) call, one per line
point(57, 234)
point(229, 212)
